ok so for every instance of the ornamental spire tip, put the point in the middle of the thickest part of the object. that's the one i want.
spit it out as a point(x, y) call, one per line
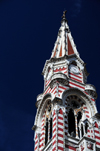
point(64, 16)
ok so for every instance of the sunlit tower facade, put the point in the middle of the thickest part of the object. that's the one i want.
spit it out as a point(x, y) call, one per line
point(67, 117)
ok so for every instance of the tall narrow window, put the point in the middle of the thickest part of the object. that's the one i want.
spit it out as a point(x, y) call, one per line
point(78, 120)
point(71, 123)
point(79, 117)
point(82, 131)
point(86, 128)
point(50, 128)
point(46, 132)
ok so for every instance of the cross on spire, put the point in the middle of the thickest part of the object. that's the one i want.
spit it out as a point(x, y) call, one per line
point(64, 15)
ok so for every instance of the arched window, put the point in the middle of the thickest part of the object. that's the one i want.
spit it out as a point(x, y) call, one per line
point(71, 123)
point(75, 105)
point(48, 124)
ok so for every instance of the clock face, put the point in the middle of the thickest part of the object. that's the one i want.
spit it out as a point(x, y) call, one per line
point(74, 69)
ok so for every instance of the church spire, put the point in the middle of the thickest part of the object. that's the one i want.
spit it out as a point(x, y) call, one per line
point(66, 117)
point(64, 44)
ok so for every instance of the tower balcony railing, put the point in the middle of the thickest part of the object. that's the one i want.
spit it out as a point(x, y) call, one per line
point(39, 97)
point(90, 89)
point(60, 77)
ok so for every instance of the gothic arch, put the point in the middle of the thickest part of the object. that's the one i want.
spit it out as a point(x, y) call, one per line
point(88, 102)
point(47, 98)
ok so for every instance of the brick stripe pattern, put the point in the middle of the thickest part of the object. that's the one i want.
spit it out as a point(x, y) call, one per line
point(90, 133)
point(62, 70)
point(86, 111)
point(42, 137)
point(36, 143)
point(70, 148)
point(49, 90)
point(47, 82)
point(76, 85)
point(54, 144)
point(66, 120)
point(61, 89)
point(60, 131)
point(76, 77)
point(97, 135)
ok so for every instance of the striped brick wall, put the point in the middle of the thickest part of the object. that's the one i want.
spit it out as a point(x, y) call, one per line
point(90, 133)
point(54, 144)
point(47, 82)
point(61, 89)
point(86, 111)
point(42, 137)
point(60, 131)
point(70, 148)
point(66, 120)
point(75, 85)
point(76, 77)
point(49, 90)
point(36, 142)
point(97, 135)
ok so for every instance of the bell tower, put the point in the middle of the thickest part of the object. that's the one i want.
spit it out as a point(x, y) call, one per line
point(67, 117)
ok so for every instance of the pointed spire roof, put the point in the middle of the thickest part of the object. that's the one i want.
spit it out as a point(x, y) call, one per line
point(64, 44)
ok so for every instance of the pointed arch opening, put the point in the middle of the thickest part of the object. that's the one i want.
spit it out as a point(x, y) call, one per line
point(71, 123)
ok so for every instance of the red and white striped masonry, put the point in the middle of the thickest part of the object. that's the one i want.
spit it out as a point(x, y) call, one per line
point(86, 111)
point(76, 77)
point(61, 89)
point(47, 82)
point(54, 144)
point(79, 86)
point(63, 70)
point(97, 135)
point(42, 137)
point(66, 120)
point(60, 131)
point(36, 143)
point(70, 148)
point(90, 133)
point(49, 90)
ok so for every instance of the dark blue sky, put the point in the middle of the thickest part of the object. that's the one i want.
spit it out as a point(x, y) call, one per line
point(28, 30)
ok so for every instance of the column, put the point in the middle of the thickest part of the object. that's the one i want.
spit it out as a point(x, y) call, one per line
point(76, 126)
point(54, 138)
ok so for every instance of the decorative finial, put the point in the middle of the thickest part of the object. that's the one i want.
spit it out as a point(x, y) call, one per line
point(64, 15)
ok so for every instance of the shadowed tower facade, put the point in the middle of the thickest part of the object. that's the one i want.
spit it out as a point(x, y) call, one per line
point(67, 117)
